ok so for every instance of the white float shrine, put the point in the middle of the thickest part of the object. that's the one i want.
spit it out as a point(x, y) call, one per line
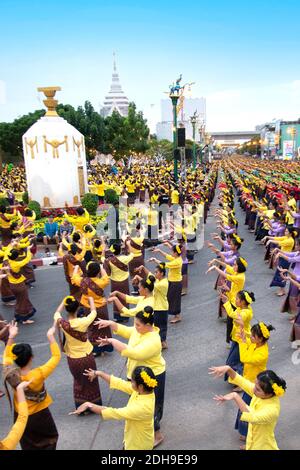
point(55, 159)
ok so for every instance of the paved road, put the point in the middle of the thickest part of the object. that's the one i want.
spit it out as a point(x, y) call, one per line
point(191, 418)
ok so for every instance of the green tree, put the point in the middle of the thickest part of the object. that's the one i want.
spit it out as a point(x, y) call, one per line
point(11, 133)
point(160, 148)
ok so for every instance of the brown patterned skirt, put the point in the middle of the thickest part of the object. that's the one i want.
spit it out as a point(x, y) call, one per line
point(28, 272)
point(4, 333)
point(40, 432)
point(123, 287)
point(93, 331)
point(6, 235)
point(6, 292)
point(75, 291)
point(135, 263)
point(24, 308)
point(83, 389)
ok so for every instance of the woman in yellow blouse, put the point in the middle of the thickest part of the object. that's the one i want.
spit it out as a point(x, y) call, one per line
point(78, 221)
point(11, 441)
point(174, 265)
point(117, 269)
point(285, 243)
point(143, 348)
point(263, 412)
point(236, 278)
point(40, 432)
point(78, 349)
point(254, 354)
point(24, 310)
point(144, 299)
point(241, 311)
point(161, 304)
point(139, 411)
point(93, 285)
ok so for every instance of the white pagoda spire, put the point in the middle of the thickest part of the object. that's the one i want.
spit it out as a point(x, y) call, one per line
point(115, 100)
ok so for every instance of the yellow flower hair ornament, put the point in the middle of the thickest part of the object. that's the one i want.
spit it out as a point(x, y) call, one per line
point(178, 249)
point(146, 314)
point(162, 266)
point(111, 248)
point(148, 282)
point(278, 390)
point(237, 238)
point(243, 261)
point(89, 263)
point(264, 330)
point(152, 383)
point(248, 298)
point(69, 297)
point(12, 355)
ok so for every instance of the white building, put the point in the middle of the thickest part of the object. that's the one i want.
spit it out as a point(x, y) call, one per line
point(190, 105)
point(115, 100)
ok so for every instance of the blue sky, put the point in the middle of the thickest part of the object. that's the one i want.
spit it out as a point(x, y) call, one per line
point(244, 57)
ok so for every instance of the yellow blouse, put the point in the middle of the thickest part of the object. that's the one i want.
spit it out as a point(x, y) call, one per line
point(84, 300)
point(160, 295)
point(138, 415)
point(13, 438)
point(16, 266)
point(74, 348)
point(140, 302)
point(142, 349)
point(246, 314)
point(78, 221)
point(237, 283)
point(262, 417)
point(175, 267)
point(138, 241)
point(285, 243)
point(254, 358)
point(38, 377)
point(118, 275)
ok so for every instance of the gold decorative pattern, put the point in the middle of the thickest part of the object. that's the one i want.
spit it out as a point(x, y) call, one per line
point(46, 202)
point(78, 144)
point(31, 143)
point(55, 144)
point(75, 200)
point(50, 102)
point(81, 181)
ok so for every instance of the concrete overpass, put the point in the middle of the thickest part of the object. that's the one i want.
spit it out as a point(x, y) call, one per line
point(233, 138)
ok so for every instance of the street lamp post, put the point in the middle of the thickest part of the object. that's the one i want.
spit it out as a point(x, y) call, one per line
point(194, 122)
point(201, 134)
point(174, 96)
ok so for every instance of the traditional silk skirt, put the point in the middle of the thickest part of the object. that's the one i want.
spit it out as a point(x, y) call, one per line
point(135, 263)
point(40, 432)
point(295, 333)
point(123, 287)
point(242, 426)
point(277, 280)
point(184, 273)
point(6, 292)
point(24, 308)
point(290, 304)
point(6, 235)
point(75, 291)
point(94, 333)
point(142, 195)
point(83, 389)
point(174, 297)
point(28, 272)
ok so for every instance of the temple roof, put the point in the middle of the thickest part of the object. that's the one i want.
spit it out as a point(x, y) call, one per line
point(116, 98)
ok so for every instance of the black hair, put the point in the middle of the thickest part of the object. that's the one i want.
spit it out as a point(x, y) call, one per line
point(137, 378)
point(80, 211)
point(268, 378)
point(240, 266)
point(13, 255)
point(71, 306)
point(93, 269)
point(2, 209)
point(236, 243)
point(174, 249)
point(74, 249)
point(242, 296)
point(23, 352)
point(88, 228)
point(146, 316)
point(76, 237)
point(256, 331)
point(13, 225)
point(97, 243)
point(117, 248)
point(161, 267)
point(28, 212)
point(148, 283)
